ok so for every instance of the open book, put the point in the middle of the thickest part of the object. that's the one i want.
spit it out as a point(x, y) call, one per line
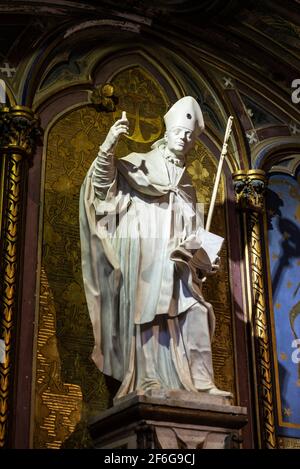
point(199, 250)
point(210, 246)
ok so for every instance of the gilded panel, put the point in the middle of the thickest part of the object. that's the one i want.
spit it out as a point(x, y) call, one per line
point(68, 388)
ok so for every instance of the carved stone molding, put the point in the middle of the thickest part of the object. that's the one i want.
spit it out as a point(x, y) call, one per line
point(19, 133)
point(249, 188)
point(169, 419)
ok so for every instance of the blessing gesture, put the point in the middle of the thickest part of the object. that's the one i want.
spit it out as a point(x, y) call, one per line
point(121, 126)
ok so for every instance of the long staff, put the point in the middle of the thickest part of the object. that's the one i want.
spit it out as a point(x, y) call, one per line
point(218, 176)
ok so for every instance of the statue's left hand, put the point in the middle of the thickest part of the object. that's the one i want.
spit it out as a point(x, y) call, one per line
point(215, 266)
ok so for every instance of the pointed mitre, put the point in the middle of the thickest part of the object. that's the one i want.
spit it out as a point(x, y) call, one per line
point(185, 113)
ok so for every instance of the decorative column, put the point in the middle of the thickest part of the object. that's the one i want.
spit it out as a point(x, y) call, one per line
point(19, 132)
point(249, 187)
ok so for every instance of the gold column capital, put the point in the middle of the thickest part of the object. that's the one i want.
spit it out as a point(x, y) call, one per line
point(20, 130)
point(249, 188)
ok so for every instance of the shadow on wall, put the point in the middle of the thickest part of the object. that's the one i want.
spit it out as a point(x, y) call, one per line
point(290, 244)
point(284, 246)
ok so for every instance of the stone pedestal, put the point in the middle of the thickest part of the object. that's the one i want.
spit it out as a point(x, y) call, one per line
point(169, 420)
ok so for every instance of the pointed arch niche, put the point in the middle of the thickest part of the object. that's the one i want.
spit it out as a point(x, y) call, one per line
point(67, 389)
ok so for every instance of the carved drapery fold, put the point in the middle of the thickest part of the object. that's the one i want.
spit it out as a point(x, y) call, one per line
point(19, 133)
point(249, 188)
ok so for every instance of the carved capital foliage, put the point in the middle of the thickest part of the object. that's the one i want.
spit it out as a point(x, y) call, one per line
point(19, 130)
point(249, 188)
point(103, 98)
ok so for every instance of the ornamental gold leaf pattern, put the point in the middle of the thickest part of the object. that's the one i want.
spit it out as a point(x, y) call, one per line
point(9, 264)
point(145, 104)
point(264, 370)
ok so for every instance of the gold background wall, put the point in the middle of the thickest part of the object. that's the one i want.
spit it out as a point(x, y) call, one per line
point(68, 387)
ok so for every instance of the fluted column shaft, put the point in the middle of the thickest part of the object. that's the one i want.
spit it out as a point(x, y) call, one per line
point(19, 132)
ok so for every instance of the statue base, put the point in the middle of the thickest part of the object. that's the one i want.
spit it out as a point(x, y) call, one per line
point(172, 419)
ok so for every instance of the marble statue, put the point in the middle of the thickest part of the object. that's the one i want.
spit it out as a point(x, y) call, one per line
point(145, 255)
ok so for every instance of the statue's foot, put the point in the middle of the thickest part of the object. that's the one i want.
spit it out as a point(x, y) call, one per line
point(219, 392)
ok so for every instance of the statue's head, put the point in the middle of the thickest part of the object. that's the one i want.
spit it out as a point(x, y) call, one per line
point(184, 122)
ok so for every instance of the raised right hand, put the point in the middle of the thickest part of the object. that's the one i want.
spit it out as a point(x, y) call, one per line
point(121, 126)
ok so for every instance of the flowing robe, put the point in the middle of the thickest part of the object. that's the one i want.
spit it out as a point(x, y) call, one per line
point(151, 324)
